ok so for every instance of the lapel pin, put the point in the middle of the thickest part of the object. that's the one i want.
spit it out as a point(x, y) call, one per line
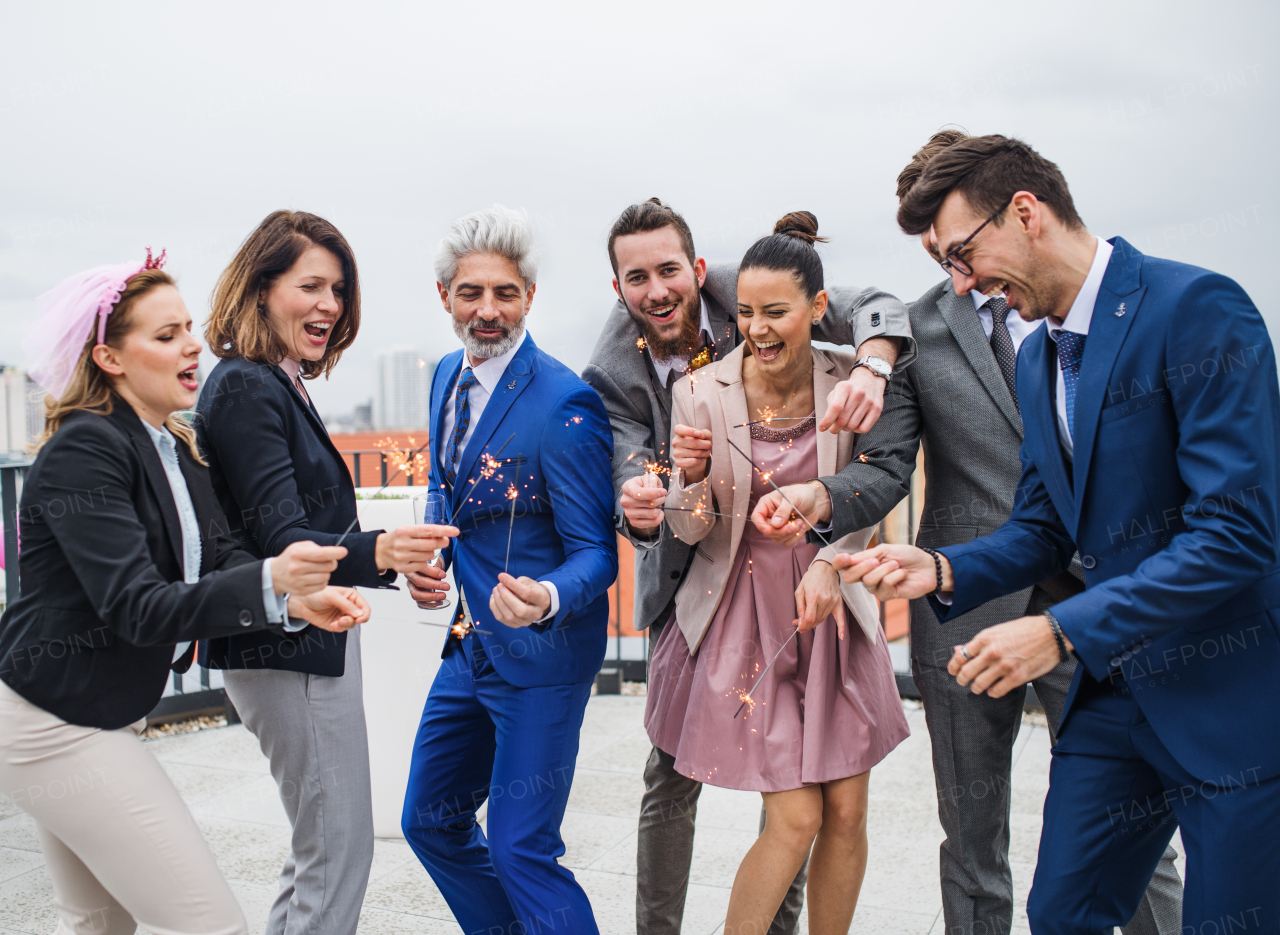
point(511, 385)
point(1120, 311)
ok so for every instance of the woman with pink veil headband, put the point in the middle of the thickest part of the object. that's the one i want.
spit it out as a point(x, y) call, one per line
point(123, 568)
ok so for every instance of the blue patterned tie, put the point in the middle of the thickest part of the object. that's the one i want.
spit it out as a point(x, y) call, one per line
point(461, 419)
point(1070, 353)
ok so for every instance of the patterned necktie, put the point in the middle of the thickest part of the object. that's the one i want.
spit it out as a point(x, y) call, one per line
point(1002, 345)
point(461, 420)
point(1070, 353)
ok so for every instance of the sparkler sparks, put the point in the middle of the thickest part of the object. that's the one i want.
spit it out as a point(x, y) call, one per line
point(768, 476)
point(512, 494)
point(490, 465)
point(746, 696)
point(408, 459)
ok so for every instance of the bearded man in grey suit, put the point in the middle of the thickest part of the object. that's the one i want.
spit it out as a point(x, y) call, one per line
point(959, 397)
point(673, 314)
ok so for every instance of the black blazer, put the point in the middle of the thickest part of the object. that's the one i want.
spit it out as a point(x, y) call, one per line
point(279, 480)
point(90, 639)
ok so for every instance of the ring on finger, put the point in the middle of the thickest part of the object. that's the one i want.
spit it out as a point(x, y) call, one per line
point(964, 651)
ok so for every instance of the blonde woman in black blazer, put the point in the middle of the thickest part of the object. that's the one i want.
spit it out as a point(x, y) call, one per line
point(122, 566)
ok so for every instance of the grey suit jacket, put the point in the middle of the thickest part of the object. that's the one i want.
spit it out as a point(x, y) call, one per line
point(954, 399)
point(639, 406)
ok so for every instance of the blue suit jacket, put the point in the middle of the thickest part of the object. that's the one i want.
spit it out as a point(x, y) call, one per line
point(279, 480)
point(560, 461)
point(1171, 502)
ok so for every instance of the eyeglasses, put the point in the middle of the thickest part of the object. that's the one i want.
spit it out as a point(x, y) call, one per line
point(953, 260)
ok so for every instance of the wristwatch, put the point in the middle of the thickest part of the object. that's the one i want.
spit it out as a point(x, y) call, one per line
point(877, 365)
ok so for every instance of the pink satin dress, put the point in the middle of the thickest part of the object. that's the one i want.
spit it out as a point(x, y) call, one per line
point(828, 709)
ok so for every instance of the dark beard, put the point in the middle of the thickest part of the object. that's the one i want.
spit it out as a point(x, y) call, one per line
point(684, 343)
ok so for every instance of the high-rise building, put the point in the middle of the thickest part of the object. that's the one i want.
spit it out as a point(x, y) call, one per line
point(402, 399)
point(21, 411)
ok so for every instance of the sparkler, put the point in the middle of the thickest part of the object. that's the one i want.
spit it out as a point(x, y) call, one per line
point(411, 459)
point(767, 475)
point(698, 511)
point(513, 493)
point(490, 464)
point(772, 419)
point(746, 698)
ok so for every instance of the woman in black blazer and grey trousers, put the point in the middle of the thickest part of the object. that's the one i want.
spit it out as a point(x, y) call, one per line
point(286, 308)
point(122, 565)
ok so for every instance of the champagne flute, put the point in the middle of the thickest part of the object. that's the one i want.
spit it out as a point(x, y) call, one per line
point(432, 507)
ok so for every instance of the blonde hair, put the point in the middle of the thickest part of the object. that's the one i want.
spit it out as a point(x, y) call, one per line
point(90, 389)
point(238, 325)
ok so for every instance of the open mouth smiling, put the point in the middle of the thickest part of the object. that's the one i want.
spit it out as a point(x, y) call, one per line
point(317, 331)
point(769, 350)
point(188, 377)
point(662, 313)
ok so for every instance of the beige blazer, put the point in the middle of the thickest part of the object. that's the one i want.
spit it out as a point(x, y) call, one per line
point(713, 398)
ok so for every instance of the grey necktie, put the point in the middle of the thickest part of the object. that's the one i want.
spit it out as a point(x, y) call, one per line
point(1002, 345)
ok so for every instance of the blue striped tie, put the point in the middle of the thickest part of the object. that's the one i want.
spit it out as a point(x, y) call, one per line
point(1070, 353)
point(461, 420)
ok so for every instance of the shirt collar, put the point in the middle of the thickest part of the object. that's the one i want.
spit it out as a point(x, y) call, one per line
point(291, 368)
point(489, 371)
point(1081, 313)
point(161, 437)
point(979, 298)
point(664, 367)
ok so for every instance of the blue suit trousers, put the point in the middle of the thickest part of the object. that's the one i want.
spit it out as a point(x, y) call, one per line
point(483, 739)
point(1116, 795)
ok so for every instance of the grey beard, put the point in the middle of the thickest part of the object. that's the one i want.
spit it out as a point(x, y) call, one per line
point(484, 349)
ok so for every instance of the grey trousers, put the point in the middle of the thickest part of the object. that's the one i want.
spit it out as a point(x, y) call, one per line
point(972, 737)
point(664, 853)
point(311, 728)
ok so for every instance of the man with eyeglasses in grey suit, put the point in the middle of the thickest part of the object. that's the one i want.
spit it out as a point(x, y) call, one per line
point(960, 399)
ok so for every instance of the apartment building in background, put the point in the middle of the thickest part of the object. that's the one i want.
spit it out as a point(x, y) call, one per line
point(21, 412)
point(402, 394)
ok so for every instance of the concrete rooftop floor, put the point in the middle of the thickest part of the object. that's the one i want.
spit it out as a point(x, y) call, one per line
point(224, 777)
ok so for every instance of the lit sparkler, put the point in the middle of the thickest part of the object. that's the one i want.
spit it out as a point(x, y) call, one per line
point(407, 460)
point(768, 476)
point(490, 464)
point(746, 696)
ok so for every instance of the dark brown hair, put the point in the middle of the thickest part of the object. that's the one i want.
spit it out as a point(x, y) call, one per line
point(907, 178)
point(238, 326)
point(988, 170)
point(790, 249)
point(90, 387)
point(649, 216)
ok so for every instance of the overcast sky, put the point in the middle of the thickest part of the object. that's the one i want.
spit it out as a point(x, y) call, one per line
point(182, 125)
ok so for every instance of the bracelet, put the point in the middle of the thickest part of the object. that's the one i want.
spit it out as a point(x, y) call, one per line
point(1057, 635)
point(937, 562)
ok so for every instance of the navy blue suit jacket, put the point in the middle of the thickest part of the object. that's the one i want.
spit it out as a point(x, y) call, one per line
point(279, 480)
point(1171, 502)
point(561, 464)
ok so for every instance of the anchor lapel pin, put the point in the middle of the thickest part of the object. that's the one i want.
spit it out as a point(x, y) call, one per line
point(1120, 311)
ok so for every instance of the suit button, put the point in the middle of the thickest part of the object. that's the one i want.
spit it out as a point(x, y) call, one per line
point(675, 575)
point(1115, 662)
point(246, 618)
point(1088, 561)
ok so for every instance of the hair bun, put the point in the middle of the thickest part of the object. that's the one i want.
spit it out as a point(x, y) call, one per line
point(802, 225)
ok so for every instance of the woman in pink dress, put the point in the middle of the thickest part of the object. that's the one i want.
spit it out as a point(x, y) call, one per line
point(828, 710)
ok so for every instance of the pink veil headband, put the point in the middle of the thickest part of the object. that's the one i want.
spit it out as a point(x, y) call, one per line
point(67, 312)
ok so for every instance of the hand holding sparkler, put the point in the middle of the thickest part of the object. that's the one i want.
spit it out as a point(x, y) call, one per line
point(642, 499)
point(818, 597)
point(519, 602)
point(304, 567)
point(690, 451)
point(334, 609)
point(778, 513)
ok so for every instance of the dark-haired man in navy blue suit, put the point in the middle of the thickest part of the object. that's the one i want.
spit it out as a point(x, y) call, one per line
point(1151, 412)
point(502, 719)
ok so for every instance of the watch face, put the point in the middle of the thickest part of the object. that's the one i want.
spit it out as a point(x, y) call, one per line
point(877, 365)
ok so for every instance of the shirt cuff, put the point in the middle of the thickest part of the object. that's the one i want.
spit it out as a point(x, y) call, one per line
point(946, 601)
point(276, 605)
point(555, 601)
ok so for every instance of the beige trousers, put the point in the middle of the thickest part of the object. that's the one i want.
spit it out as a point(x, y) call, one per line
point(118, 841)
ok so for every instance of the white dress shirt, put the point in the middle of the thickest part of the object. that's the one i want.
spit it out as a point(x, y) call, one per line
point(681, 364)
point(192, 550)
point(1018, 329)
point(488, 373)
point(1077, 321)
